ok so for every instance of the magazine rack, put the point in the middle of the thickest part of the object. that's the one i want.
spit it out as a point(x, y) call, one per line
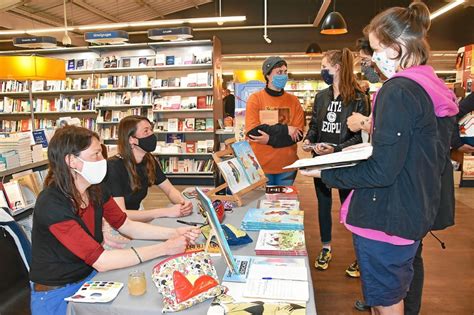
point(236, 197)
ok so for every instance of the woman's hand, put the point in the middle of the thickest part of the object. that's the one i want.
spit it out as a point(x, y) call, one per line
point(357, 122)
point(311, 172)
point(176, 245)
point(322, 149)
point(295, 133)
point(191, 233)
point(306, 146)
point(186, 208)
point(180, 210)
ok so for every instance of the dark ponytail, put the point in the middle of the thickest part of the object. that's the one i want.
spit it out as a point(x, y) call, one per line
point(407, 27)
point(348, 84)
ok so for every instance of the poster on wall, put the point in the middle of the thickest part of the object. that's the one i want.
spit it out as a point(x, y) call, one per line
point(242, 93)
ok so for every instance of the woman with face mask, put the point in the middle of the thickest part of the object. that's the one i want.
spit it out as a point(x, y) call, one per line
point(67, 224)
point(134, 169)
point(328, 133)
point(274, 140)
point(401, 187)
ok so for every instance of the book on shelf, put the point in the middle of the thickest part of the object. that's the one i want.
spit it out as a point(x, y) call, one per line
point(174, 138)
point(275, 192)
point(209, 124)
point(200, 124)
point(125, 62)
point(190, 146)
point(71, 65)
point(272, 219)
point(169, 60)
point(173, 125)
point(79, 64)
point(19, 197)
point(160, 59)
point(281, 243)
point(201, 146)
point(189, 124)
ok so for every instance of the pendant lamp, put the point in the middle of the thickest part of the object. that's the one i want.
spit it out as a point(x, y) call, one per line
point(334, 23)
point(314, 49)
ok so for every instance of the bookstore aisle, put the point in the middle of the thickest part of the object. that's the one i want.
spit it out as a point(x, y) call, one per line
point(448, 273)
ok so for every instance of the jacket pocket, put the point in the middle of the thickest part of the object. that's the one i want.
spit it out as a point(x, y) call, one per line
point(387, 137)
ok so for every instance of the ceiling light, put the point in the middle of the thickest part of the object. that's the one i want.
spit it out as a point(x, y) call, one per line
point(106, 37)
point(314, 49)
point(334, 23)
point(129, 24)
point(171, 34)
point(35, 42)
point(446, 8)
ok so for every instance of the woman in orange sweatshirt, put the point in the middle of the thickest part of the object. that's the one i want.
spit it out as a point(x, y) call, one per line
point(274, 122)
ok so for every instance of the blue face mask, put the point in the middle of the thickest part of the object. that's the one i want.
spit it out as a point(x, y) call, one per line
point(327, 77)
point(279, 80)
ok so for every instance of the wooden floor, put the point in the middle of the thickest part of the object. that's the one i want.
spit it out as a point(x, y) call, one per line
point(449, 273)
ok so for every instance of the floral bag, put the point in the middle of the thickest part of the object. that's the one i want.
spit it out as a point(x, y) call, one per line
point(185, 280)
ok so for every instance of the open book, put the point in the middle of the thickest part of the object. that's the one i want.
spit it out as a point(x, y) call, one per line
point(335, 160)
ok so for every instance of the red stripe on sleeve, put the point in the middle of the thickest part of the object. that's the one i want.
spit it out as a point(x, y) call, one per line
point(113, 214)
point(70, 234)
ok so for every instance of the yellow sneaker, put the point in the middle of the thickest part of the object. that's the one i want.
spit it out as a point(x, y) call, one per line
point(322, 263)
point(353, 270)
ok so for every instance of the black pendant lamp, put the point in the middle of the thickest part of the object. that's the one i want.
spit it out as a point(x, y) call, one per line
point(334, 23)
point(314, 49)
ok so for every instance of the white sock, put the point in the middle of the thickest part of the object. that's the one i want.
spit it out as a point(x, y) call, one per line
point(327, 246)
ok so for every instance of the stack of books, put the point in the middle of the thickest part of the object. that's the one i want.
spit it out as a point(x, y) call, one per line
point(273, 219)
point(281, 193)
point(19, 142)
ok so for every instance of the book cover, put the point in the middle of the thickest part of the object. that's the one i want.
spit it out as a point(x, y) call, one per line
point(191, 147)
point(269, 117)
point(234, 174)
point(213, 249)
point(200, 124)
point(173, 124)
point(80, 64)
point(71, 64)
point(209, 124)
point(246, 156)
point(125, 62)
point(169, 60)
point(201, 102)
point(272, 219)
point(174, 138)
point(280, 242)
point(189, 124)
point(142, 62)
point(285, 204)
point(281, 193)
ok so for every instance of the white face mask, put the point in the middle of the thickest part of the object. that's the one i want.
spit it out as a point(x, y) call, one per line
point(93, 172)
point(386, 65)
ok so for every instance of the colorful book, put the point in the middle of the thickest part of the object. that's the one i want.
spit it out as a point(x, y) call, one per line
point(213, 249)
point(272, 219)
point(235, 176)
point(281, 193)
point(285, 204)
point(281, 243)
point(247, 158)
point(189, 124)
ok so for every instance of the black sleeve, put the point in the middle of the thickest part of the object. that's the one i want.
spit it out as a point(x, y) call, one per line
point(466, 106)
point(116, 178)
point(391, 142)
point(278, 133)
point(160, 176)
point(363, 108)
point(456, 142)
point(53, 207)
point(312, 134)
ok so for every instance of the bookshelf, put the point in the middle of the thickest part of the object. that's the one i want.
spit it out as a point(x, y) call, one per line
point(106, 83)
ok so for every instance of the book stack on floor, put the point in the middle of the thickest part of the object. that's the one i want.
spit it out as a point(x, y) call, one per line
point(19, 142)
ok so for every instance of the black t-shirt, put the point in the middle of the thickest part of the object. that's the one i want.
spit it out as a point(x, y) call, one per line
point(117, 182)
point(331, 124)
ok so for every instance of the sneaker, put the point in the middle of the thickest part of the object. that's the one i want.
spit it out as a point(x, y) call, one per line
point(322, 263)
point(361, 306)
point(353, 270)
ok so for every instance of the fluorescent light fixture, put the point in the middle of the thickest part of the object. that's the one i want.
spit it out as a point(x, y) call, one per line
point(446, 8)
point(216, 19)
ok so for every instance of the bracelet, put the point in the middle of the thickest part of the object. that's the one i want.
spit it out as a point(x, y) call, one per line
point(136, 253)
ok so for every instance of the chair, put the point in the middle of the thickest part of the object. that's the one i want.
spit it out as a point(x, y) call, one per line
point(14, 284)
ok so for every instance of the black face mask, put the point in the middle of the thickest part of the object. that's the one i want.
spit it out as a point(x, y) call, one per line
point(327, 77)
point(148, 144)
point(370, 74)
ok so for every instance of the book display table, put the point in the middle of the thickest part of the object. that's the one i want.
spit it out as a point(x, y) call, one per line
point(151, 301)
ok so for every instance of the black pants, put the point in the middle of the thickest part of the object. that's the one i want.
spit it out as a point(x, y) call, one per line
point(412, 301)
point(323, 193)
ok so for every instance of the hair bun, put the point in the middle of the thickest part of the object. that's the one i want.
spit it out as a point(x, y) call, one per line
point(420, 13)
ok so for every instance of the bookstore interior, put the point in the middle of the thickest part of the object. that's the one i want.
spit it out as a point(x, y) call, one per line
point(228, 123)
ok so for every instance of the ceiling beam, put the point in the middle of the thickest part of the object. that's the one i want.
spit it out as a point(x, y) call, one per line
point(94, 10)
point(146, 4)
point(38, 16)
point(321, 12)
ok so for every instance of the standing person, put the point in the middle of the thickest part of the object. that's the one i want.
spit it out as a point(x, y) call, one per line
point(329, 132)
point(465, 106)
point(274, 142)
point(67, 224)
point(397, 190)
point(229, 103)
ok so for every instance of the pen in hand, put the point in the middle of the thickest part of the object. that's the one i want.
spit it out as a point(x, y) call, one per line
point(190, 223)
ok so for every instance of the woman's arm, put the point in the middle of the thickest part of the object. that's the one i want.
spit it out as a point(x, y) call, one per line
point(121, 258)
point(144, 231)
point(149, 215)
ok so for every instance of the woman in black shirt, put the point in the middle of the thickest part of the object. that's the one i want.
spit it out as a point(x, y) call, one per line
point(67, 224)
point(328, 131)
point(134, 169)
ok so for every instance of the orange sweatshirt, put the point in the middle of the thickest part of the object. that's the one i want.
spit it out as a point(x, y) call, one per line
point(289, 113)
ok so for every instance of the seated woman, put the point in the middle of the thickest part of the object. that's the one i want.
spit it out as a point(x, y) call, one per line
point(67, 224)
point(134, 169)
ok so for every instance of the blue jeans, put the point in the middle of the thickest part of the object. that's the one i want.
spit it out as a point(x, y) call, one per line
point(52, 302)
point(282, 179)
